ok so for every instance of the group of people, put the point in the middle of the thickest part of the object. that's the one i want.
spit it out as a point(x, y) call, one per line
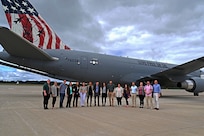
point(87, 92)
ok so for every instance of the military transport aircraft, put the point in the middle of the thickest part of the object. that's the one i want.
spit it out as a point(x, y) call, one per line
point(30, 44)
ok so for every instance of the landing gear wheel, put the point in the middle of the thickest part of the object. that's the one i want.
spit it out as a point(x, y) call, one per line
point(196, 94)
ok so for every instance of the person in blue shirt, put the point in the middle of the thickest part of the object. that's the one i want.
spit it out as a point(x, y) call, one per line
point(62, 89)
point(157, 91)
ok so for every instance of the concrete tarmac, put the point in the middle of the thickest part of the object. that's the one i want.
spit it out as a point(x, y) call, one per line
point(22, 114)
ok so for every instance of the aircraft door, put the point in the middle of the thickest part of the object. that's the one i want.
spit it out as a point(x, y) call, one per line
point(84, 62)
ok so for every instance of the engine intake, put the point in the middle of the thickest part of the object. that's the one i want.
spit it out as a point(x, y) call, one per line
point(194, 85)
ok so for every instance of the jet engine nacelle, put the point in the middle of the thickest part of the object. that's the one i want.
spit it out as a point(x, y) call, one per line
point(194, 85)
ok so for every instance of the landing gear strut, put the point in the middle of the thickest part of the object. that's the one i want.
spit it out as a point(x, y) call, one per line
point(196, 94)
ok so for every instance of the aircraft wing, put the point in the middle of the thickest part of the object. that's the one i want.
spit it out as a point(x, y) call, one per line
point(20, 47)
point(179, 72)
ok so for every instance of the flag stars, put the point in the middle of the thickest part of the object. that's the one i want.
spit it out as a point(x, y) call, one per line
point(31, 10)
point(5, 8)
point(19, 7)
point(14, 8)
point(24, 3)
point(22, 10)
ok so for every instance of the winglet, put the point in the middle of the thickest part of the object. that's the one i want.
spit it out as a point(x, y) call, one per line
point(18, 46)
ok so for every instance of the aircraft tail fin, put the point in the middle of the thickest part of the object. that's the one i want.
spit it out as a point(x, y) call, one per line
point(24, 20)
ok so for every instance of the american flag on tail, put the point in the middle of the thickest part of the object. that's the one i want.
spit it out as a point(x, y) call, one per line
point(24, 20)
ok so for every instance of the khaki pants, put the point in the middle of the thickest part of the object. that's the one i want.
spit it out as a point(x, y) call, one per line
point(133, 99)
point(111, 96)
point(149, 101)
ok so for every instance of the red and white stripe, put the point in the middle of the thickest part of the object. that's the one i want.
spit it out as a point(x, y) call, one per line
point(47, 40)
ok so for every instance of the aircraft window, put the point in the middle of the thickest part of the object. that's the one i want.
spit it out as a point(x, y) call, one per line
point(94, 61)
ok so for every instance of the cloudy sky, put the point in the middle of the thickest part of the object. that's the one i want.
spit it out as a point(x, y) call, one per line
point(169, 31)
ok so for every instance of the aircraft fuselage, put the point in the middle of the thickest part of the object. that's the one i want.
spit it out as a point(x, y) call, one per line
point(86, 66)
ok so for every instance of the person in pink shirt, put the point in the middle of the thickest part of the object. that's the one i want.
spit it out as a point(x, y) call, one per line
point(148, 92)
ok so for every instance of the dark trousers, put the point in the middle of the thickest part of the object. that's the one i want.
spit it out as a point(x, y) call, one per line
point(89, 95)
point(126, 99)
point(141, 97)
point(45, 101)
point(119, 100)
point(75, 100)
point(69, 99)
point(96, 96)
point(61, 99)
point(104, 96)
point(53, 101)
